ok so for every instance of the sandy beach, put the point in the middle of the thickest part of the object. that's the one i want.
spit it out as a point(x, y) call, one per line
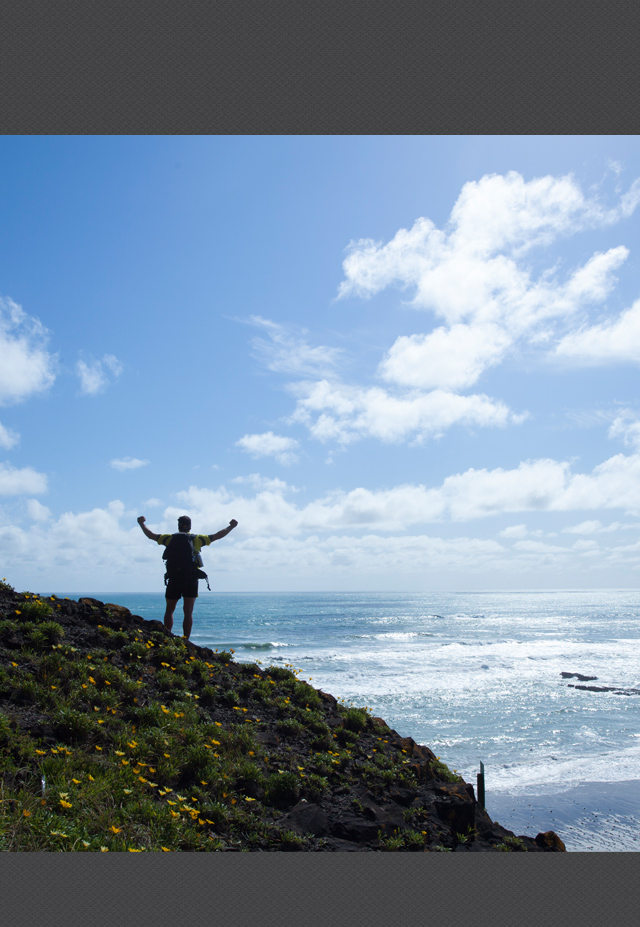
point(589, 817)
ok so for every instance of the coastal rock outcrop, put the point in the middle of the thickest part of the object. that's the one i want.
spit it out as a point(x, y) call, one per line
point(265, 762)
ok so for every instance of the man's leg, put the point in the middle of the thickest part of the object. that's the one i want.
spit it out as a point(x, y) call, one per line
point(187, 624)
point(168, 615)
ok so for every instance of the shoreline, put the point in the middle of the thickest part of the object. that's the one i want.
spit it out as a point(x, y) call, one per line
point(589, 817)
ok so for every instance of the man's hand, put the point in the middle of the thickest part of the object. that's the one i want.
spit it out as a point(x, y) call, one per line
point(141, 520)
point(233, 523)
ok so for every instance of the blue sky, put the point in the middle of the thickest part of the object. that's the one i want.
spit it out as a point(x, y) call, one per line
point(402, 363)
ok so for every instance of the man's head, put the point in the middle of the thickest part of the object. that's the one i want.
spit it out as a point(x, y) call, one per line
point(184, 523)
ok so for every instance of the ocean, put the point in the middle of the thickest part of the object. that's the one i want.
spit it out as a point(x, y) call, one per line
point(477, 677)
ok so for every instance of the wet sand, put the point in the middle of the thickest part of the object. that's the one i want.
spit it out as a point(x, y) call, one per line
point(589, 817)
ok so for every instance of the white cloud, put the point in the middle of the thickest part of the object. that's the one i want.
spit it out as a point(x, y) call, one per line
point(94, 374)
point(609, 341)
point(259, 482)
point(270, 445)
point(593, 526)
point(26, 368)
point(8, 437)
point(284, 351)
point(152, 503)
point(128, 463)
point(474, 275)
point(15, 482)
point(535, 486)
point(626, 426)
point(342, 533)
point(452, 358)
point(335, 411)
point(520, 531)
point(37, 511)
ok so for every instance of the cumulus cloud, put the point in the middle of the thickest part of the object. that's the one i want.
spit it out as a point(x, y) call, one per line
point(95, 375)
point(259, 482)
point(127, 463)
point(16, 482)
point(355, 533)
point(270, 445)
point(534, 486)
point(8, 437)
point(37, 511)
point(475, 275)
point(452, 358)
point(609, 341)
point(27, 367)
point(594, 526)
point(626, 426)
point(336, 411)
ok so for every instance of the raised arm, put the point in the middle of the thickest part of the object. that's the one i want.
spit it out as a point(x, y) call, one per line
point(224, 532)
point(149, 534)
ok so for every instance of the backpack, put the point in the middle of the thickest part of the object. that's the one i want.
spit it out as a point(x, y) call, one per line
point(182, 560)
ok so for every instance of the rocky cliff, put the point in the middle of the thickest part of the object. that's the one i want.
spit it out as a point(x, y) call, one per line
point(116, 735)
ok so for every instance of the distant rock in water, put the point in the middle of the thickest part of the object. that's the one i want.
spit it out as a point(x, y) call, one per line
point(605, 689)
point(616, 689)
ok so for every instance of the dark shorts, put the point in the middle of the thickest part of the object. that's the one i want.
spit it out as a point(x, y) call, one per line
point(179, 586)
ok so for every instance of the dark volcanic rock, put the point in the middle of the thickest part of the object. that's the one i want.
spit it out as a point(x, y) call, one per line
point(306, 818)
point(578, 676)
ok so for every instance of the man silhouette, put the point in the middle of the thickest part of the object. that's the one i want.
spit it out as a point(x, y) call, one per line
point(183, 583)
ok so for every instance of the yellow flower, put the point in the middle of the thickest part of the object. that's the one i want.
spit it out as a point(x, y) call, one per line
point(165, 849)
point(169, 802)
point(125, 762)
point(26, 813)
point(98, 748)
point(174, 814)
point(41, 752)
point(116, 830)
point(119, 753)
point(91, 679)
point(127, 791)
point(132, 744)
point(165, 710)
point(142, 779)
point(65, 804)
point(77, 781)
point(91, 777)
point(168, 756)
point(249, 799)
point(104, 849)
point(153, 785)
